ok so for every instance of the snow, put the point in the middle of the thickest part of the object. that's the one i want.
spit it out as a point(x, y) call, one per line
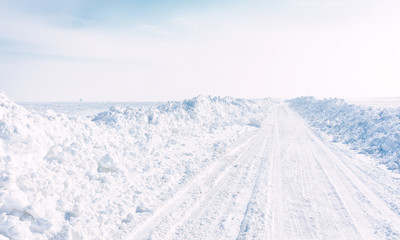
point(70, 176)
point(373, 131)
point(81, 108)
point(392, 102)
point(202, 168)
point(255, 123)
point(283, 182)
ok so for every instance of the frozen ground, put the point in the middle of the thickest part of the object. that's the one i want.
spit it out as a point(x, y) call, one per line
point(204, 168)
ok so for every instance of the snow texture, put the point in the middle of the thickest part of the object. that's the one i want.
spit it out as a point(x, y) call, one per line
point(373, 131)
point(77, 177)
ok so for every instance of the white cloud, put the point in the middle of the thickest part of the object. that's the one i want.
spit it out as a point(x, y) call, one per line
point(278, 52)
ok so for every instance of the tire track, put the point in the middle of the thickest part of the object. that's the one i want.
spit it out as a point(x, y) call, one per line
point(365, 208)
point(253, 223)
point(175, 207)
point(214, 209)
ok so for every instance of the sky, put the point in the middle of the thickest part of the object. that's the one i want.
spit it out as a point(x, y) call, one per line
point(159, 50)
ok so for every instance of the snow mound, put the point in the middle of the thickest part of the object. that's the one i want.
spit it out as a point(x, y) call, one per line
point(369, 130)
point(76, 177)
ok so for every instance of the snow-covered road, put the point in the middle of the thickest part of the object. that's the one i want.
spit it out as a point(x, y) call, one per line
point(285, 181)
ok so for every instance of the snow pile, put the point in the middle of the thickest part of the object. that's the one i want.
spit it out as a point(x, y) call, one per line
point(368, 130)
point(75, 177)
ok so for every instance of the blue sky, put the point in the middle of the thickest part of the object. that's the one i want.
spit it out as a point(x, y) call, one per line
point(166, 50)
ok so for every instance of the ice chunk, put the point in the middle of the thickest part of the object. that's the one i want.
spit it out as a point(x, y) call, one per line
point(107, 164)
point(128, 218)
point(42, 208)
point(255, 122)
point(12, 228)
point(392, 166)
point(40, 225)
point(5, 178)
point(142, 209)
point(15, 201)
point(388, 145)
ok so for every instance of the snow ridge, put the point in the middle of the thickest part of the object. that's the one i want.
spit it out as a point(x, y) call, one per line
point(372, 131)
point(75, 177)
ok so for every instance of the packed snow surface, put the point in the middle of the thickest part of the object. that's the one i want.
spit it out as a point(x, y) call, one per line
point(76, 177)
point(375, 131)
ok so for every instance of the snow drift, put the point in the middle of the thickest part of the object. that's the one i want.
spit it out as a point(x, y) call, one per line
point(75, 177)
point(369, 130)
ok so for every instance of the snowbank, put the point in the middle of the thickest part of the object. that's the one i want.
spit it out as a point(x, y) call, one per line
point(75, 177)
point(369, 130)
